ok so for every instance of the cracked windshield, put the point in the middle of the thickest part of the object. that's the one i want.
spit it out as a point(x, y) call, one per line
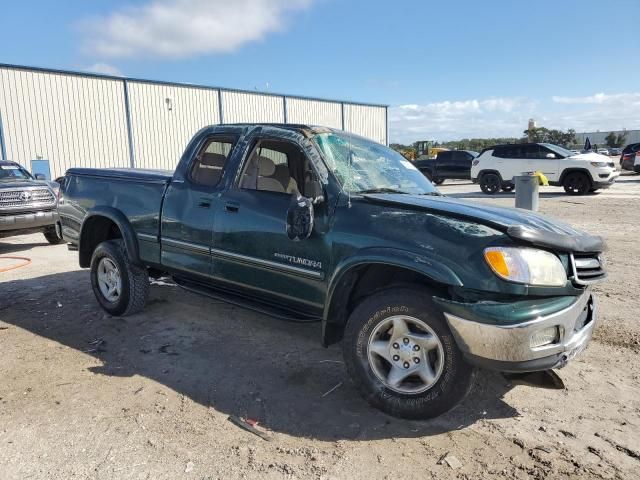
point(363, 166)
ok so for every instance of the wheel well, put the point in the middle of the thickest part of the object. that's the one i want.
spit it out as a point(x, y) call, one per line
point(573, 170)
point(484, 172)
point(96, 230)
point(363, 281)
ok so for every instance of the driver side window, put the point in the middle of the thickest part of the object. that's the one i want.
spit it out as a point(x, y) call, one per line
point(275, 166)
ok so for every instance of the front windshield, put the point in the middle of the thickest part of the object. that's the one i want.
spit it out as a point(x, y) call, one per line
point(13, 172)
point(562, 151)
point(363, 166)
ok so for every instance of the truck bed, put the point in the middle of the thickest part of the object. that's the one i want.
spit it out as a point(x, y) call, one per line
point(136, 194)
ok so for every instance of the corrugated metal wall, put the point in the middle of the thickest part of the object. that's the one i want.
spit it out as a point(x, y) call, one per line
point(239, 107)
point(314, 112)
point(66, 119)
point(81, 120)
point(164, 118)
point(365, 120)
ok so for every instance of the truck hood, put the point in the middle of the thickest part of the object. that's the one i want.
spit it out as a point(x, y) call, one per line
point(11, 184)
point(521, 225)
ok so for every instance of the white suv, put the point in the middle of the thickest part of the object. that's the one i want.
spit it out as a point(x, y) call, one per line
point(579, 174)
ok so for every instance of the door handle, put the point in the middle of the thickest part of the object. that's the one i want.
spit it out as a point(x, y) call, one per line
point(204, 202)
point(232, 207)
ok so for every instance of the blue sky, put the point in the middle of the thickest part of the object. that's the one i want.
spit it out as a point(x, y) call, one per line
point(448, 69)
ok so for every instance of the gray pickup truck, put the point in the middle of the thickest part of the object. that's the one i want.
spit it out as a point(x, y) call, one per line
point(314, 224)
point(27, 203)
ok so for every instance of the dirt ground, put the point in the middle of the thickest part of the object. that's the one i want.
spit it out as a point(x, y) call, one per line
point(84, 395)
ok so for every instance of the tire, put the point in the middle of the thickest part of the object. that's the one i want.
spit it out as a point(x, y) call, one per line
point(576, 183)
point(508, 187)
point(490, 183)
point(133, 279)
point(412, 398)
point(439, 181)
point(52, 236)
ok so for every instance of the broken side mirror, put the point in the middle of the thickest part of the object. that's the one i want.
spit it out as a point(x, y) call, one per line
point(313, 191)
point(299, 217)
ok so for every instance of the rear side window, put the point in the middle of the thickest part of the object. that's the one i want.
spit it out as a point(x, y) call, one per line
point(210, 162)
point(508, 151)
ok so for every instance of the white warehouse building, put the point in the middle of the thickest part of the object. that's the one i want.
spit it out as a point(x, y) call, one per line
point(52, 120)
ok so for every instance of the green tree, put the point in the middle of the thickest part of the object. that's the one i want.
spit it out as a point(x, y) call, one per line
point(611, 139)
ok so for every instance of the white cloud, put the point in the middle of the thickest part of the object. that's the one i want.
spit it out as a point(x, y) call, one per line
point(599, 99)
point(104, 68)
point(508, 117)
point(449, 120)
point(186, 28)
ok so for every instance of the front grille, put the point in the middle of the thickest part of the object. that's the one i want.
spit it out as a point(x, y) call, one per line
point(587, 268)
point(26, 198)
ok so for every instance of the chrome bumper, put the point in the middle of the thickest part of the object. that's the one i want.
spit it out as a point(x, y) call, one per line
point(504, 344)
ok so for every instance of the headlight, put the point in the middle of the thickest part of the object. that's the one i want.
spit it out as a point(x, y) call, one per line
point(599, 164)
point(526, 265)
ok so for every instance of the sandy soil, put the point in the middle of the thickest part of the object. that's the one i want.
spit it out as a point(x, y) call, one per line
point(84, 395)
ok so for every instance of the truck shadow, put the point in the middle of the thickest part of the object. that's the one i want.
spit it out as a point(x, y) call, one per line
point(10, 247)
point(232, 360)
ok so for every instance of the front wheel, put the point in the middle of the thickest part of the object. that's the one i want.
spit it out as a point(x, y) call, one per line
point(490, 183)
point(120, 286)
point(402, 356)
point(576, 183)
point(52, 235)
point(508, 187)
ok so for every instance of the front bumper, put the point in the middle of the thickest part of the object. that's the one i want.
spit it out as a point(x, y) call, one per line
point(27, 221)
point(507, 347)
point(605, 179)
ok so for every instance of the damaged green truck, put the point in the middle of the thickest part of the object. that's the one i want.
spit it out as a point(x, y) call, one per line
point(314, 224)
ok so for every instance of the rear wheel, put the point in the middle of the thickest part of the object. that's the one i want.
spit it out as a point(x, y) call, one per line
point(576, 183)
point(120, 286)
point(402, 356)
point(490, 183)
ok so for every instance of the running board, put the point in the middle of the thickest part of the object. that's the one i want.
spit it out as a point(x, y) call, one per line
point(244, 302)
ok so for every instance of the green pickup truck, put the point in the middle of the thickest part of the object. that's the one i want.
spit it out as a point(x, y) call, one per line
point(314, 224)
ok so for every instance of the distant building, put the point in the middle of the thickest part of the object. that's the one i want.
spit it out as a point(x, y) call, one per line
point(532, 124)
point(598, 138)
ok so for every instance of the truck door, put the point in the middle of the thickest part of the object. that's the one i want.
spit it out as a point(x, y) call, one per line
point(252, 252)
point(189, 208)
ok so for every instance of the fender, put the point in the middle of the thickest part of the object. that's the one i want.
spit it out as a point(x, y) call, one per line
point(117, 217)
point(395, 257)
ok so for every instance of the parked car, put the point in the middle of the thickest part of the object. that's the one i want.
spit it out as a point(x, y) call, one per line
point(449, 164)
point(615, 151)
point(27, 203)
point(603, 151)
point(579, 174)
point(420, 288)
point(630, 158)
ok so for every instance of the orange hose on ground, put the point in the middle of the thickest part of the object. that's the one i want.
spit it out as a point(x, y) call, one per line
point(25, 261)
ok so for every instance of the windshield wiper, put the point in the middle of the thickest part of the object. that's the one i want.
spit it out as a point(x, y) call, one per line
point(435, 194)
point(382, 190)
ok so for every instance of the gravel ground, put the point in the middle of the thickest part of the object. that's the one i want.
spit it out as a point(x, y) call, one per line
point(85, 395)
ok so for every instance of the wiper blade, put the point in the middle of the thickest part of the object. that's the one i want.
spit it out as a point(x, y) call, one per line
point(434, 194)
point(382, 190)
